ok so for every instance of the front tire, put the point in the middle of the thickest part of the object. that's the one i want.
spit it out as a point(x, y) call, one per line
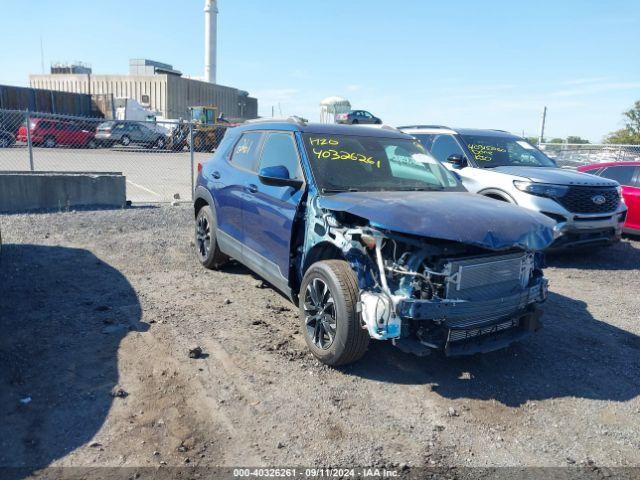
point(330, 323)
point(125, 140)
point(207, 249)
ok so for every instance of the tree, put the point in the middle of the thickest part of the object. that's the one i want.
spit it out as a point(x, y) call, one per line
point(532, 140)
point(630, 134)
point(556, 140)
point(576, 139)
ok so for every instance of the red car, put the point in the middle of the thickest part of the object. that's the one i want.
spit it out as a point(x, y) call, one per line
point(626, 174)
point(51, 132)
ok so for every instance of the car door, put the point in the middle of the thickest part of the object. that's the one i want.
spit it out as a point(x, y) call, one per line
point(631, 195)
point(367, 117)
point(63, 133)
point(136, 133)
point(269, 211)
point(627, 176)
point(74, 134)
point(230, 177)
point(473, 179)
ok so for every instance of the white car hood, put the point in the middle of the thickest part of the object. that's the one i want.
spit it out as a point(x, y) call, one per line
point(558, 176)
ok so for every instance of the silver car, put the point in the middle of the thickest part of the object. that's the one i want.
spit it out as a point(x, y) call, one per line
point(588, 210)
point(129, 133)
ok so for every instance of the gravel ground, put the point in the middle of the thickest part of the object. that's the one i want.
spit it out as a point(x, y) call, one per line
point(98, 311)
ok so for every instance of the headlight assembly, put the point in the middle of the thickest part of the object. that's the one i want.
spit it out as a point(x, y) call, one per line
point(541, 189)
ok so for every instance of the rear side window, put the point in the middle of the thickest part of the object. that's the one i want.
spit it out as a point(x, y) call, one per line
point(280, 149)
point(245, 153)
point(623, 174)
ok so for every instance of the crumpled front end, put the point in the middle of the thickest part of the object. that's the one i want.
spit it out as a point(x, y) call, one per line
point(429, 293)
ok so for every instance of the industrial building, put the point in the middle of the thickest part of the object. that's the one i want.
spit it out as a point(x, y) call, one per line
point(158, 86)
point(170, 94)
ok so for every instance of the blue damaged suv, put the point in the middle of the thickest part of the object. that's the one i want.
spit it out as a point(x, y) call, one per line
point(373, 239)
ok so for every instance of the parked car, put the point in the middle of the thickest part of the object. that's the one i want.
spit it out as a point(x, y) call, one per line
point(626, 174)
point(128, 133)
point(6, 139)
point(50, 132)
point(506, 167)
point(355, 117)
point(372, 237)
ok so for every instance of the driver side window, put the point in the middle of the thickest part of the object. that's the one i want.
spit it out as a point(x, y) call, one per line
point(280, 149)
point(444, 146)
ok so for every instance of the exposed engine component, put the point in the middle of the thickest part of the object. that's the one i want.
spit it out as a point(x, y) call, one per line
point(394, 270)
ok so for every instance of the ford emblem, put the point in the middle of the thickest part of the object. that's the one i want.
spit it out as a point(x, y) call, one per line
point(599, 199)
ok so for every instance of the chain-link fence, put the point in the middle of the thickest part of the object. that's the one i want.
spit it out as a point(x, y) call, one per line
point(158, 158)
point(574, 155)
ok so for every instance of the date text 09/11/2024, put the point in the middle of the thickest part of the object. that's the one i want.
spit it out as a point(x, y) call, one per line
point(316, 472)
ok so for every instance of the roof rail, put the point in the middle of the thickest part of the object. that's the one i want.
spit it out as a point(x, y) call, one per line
point(425, 126)
point(293, 119)
point(381, 126)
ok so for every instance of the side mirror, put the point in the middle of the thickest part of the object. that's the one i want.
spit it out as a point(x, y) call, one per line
point(457, 160)
point(278, 176)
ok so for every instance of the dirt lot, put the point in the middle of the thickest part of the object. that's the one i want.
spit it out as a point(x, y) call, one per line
point(99, 309)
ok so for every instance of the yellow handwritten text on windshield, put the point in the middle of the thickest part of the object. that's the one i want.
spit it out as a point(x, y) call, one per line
point(484, 153)
point(324, 141)
point(331, 154)
point(338, 154)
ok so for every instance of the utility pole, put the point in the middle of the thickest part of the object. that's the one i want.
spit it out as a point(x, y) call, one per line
point(42, 54)
point(544, 119)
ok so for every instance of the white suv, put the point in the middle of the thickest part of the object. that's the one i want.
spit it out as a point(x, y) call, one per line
point(588, 210)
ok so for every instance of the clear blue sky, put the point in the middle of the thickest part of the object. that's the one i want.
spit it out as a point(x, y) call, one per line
point(464, 63)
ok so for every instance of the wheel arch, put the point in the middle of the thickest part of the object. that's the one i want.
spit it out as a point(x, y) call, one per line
point(324, 250)
point(497, 194)
point(202, 197)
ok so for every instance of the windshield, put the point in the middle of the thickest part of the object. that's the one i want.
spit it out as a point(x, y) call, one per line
point(490, 151)
point(355, 163)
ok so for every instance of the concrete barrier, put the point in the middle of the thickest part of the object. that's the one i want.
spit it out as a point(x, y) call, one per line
point(23, 191)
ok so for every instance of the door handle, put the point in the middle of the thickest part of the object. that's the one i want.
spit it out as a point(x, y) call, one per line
point(252, 188)
point(215, 174)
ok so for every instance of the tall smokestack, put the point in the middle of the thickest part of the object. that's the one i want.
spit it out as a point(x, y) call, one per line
point(210, 39)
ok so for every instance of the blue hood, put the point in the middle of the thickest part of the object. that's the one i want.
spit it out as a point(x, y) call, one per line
point(459, 217)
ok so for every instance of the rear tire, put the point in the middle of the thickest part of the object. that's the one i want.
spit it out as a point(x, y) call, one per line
point(50, 142)
point(355, 122)
point(161, 143)
point(125, 140)
point(92, 144)
point(330, 323)
point(207, 249)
